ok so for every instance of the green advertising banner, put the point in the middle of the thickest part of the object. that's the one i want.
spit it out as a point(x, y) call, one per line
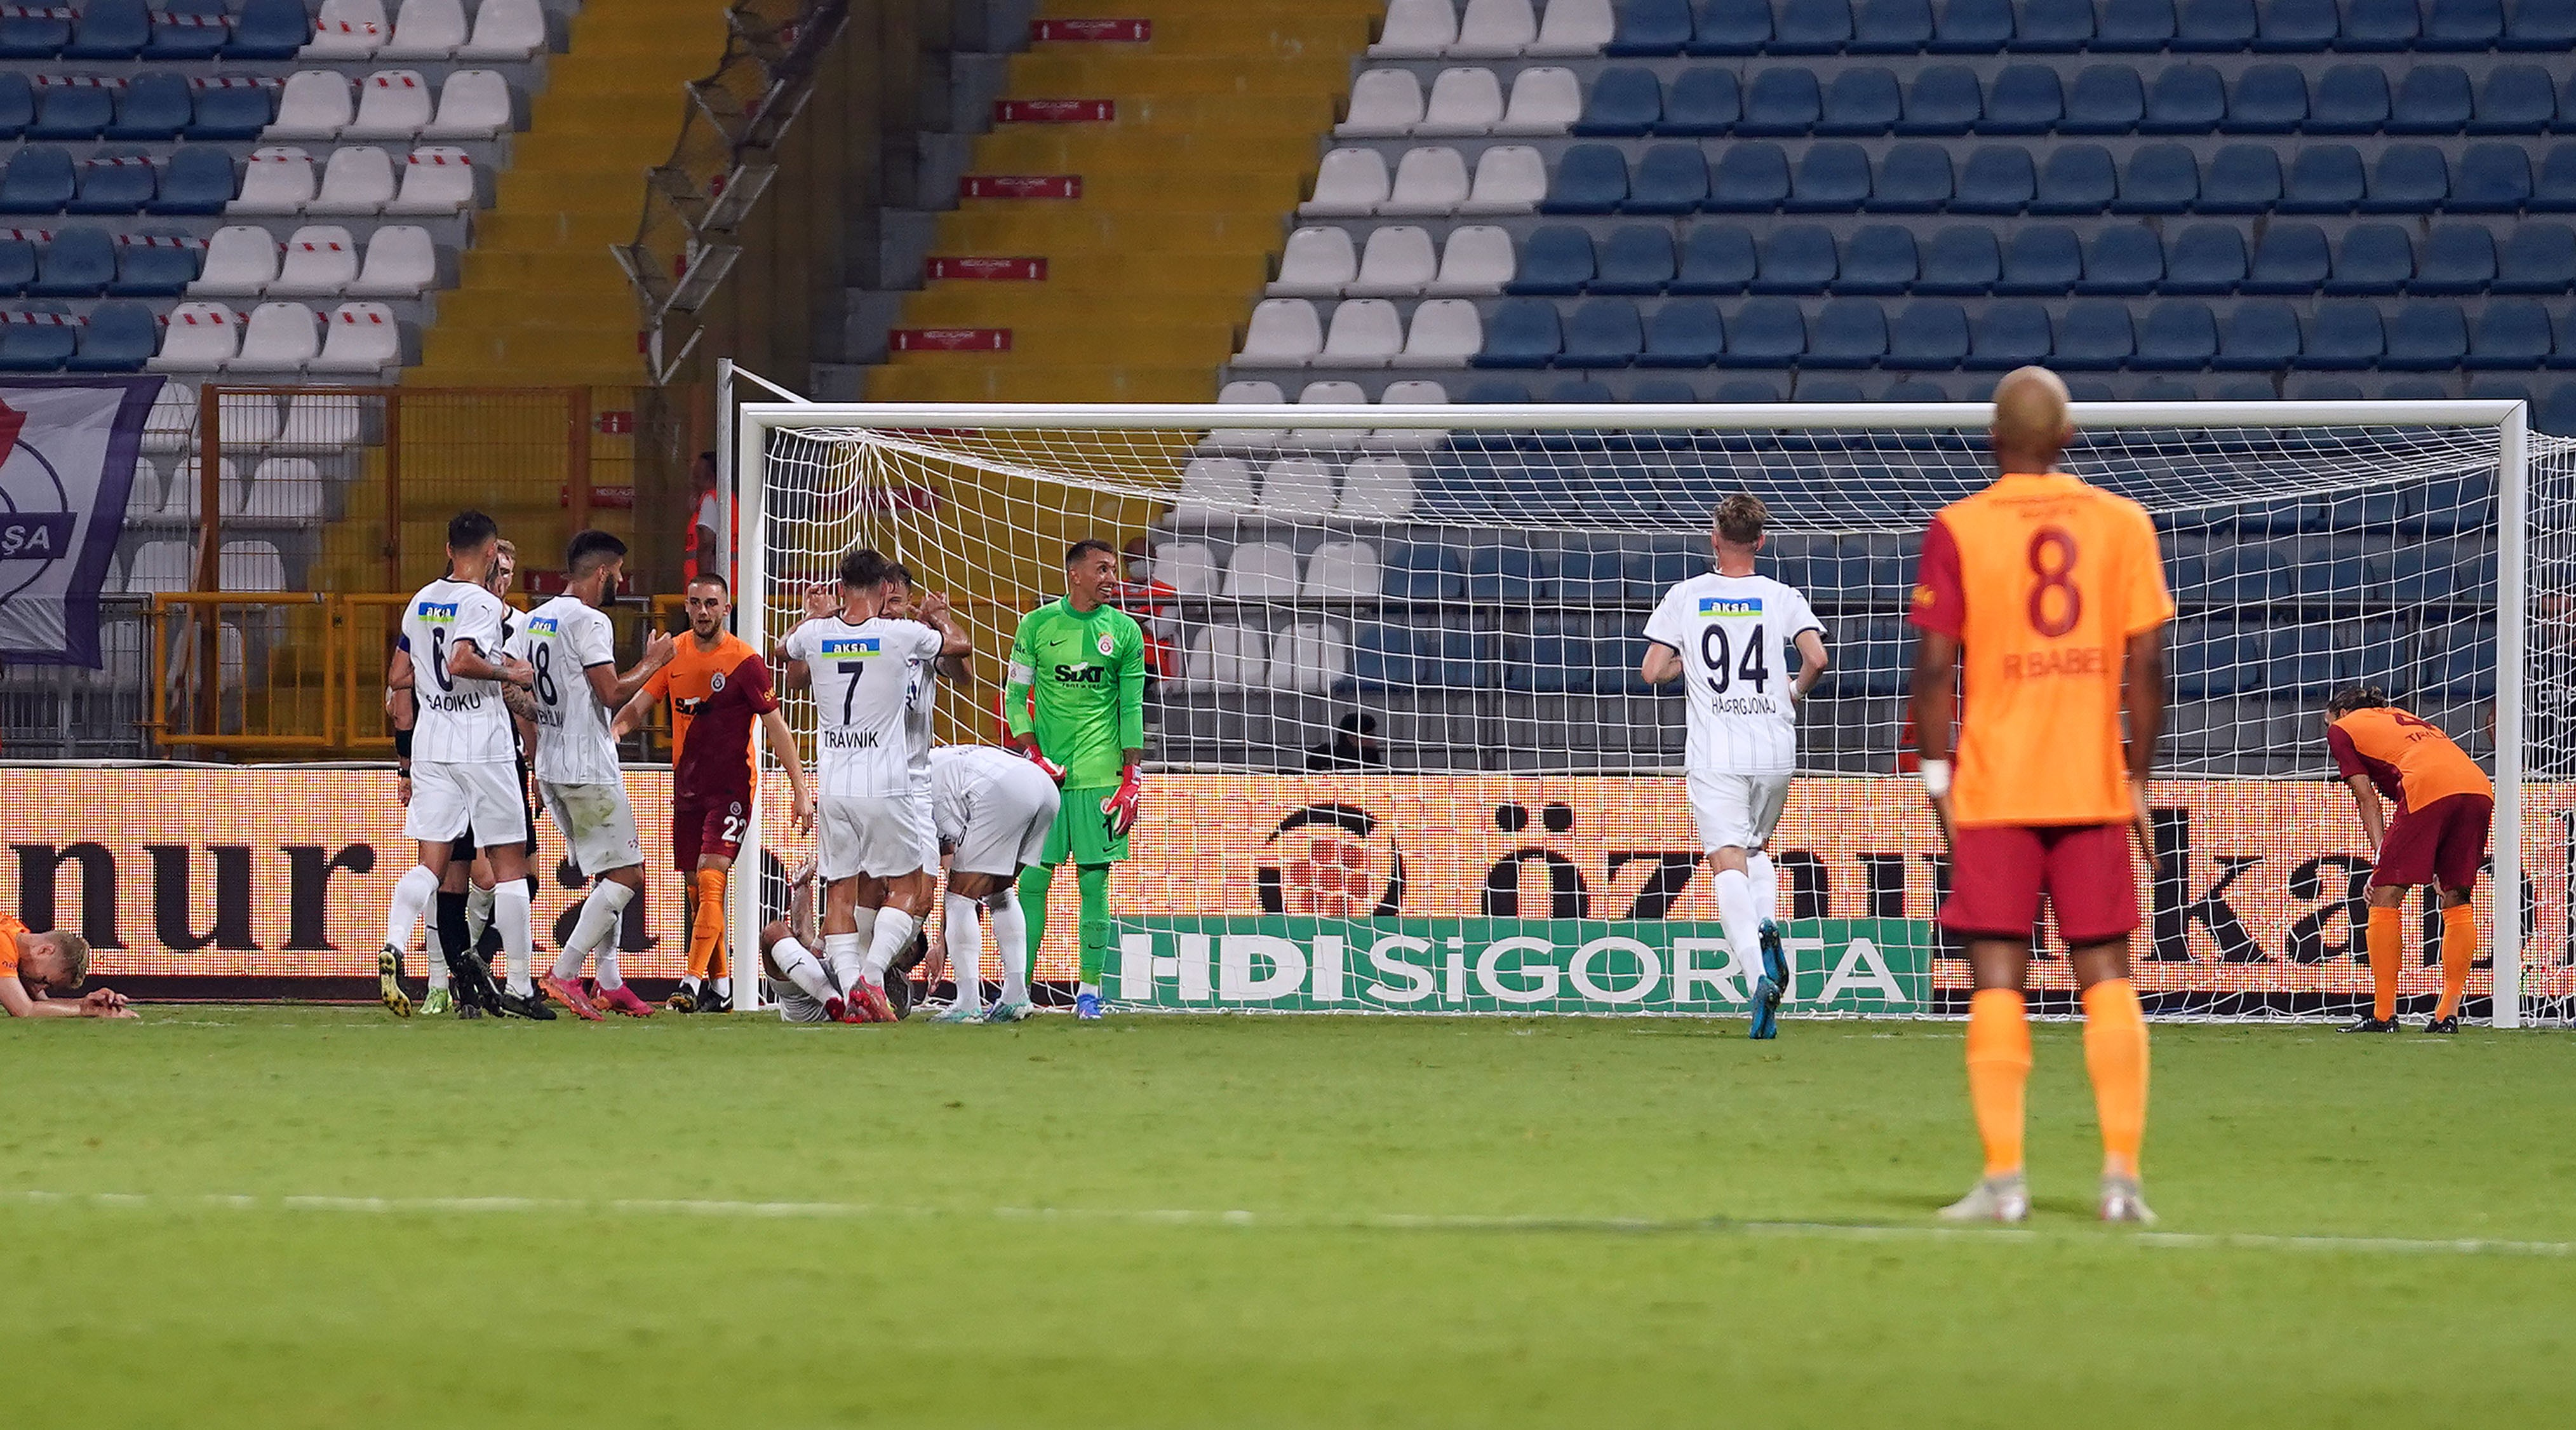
point(1294, 964)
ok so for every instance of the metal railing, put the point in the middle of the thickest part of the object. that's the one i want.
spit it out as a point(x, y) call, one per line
point(69, 712)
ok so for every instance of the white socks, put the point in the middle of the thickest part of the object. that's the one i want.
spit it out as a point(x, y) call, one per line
point(596, 928)
point(895, 929)
point(1766, 886)
point(510, 915)
point(848, 955)
point(412, 893)
point(436, 962)
point(1011, 941)
point(965, 937)
point(479, 902)
point(607, 966)
point(1735, 908)
point(803, 970)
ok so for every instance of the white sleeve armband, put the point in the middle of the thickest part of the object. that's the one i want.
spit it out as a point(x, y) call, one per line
point(1022, 674)
point(1936, 777)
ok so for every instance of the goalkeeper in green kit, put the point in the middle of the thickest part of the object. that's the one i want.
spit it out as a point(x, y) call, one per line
point(1075, 703)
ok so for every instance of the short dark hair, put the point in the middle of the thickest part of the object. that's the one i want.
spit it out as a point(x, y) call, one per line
point(1741, 517)
point(862, 567)
point(2355, 697)
point(898, 574)
point(590, 550)
point(710, 578)
point(469, 529)
point(1086, 546)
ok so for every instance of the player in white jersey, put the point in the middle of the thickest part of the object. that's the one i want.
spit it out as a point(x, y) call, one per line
point(459, 754)
point(799, 985)
point(1726, 633)
point(875, 819)
point(994, 808)
point(571, 647)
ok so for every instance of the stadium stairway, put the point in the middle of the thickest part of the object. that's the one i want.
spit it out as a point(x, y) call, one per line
point(1149, 270)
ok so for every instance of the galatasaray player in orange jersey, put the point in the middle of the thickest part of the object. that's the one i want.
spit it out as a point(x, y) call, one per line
point(2041, 608)
point(2437, 836)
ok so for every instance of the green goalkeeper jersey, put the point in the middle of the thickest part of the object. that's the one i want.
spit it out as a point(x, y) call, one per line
point(1085, 677)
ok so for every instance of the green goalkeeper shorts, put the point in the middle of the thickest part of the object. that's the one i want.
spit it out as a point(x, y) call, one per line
point(1080, 834)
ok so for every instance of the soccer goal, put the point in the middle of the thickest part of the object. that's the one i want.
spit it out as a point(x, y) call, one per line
point(1402, 759)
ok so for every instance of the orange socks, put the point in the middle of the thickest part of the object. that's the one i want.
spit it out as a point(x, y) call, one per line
point(2459, 950)
point(706, 930)
point(2386, 942)
point(2115, 1053)
point(1998, 1072)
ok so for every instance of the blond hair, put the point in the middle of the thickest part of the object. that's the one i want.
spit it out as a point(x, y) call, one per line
point(1740, 518)
point(74, 952)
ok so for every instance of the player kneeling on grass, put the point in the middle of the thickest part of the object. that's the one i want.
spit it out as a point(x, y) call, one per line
point(801, 986)
point(2437, 836)
point(35, 966)
point(1726, 630)
point(994, 810)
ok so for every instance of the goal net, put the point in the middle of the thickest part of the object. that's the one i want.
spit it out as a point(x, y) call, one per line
point(1401, 758)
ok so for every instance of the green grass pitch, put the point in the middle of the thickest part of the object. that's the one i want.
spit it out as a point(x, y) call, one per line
point(322, 1217)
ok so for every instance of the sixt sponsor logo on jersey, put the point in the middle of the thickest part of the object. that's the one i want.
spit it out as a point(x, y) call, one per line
point(860, 649)
point(1730, 605)
point(437, 612)
point(1081, 674)
point(544, 626)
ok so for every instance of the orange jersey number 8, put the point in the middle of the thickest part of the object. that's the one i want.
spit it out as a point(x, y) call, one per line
point(2052, 560)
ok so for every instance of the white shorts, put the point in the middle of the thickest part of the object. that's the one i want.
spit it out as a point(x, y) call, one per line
point(883, 838)
point(597, 822)
point(1002, 835)
point(1737, 811)
point(446, 800)
point(793, 1003)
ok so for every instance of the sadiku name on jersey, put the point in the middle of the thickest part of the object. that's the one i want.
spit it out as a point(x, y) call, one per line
point(436, 614)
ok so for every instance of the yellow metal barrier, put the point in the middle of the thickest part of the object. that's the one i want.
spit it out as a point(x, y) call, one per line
point(204, 649)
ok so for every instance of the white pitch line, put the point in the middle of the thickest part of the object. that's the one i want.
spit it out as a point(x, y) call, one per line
point(1312, 1221)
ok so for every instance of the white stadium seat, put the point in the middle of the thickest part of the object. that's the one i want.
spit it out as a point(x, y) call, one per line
point(1498, 29)
point(319, 422)
point(1237, 438)
point(473, 104)
point(1261, 570)
point(1446, 333)
point(240, 261)
point(284, 488)
point(1510, 179)
point(246, 419)
point(1574, 27)
point(1477, 259)
point(1416, 29)
point(392, 104)
point(182, 500)
point(1414, 392)
point(1545, 100)
point(1350, 182)
point(160, 567)
point(172, 424)
point(1283, 331)
point(1310, 656)
point(201, 337)
point(250, 566)
point(364, 338)
point(1398, 263)
point(143, 496)
point(506, 30)
point(1333, 393)
point(357, 180)
point(401, 263)
point(1365, 333)
point(426, 30)
point(1316, 264)
point(346, 30)
point(1377, 489)
point(1342, 571)
point(315, 104)
point(275, 181)
point(1215, 486)
point(280, 337)
point(1187, 567)
point(1291, 486)
point(320, 261)
point(1463, 101)
point(1384, 103)
point(1226, 656)
point(437, 179)
point(1430, 180)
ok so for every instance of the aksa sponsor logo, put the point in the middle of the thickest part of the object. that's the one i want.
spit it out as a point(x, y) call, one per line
point(1730, 605)
point(856, 648)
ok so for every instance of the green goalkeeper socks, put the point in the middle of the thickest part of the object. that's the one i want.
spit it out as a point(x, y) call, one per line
point(1035, 880)
point(1094, 881)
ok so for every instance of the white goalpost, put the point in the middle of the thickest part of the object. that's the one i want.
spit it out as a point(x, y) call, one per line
point(1399, 759)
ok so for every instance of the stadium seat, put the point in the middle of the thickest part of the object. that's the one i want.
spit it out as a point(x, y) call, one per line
point(1670, 179)
point(277, 180)
point(1861, 101)
point(1283, 332)
point(2324, 179)
point(188, 30)
point(2462, 25)
point(1797, 258)
point(2349, 99)
point(2458, 258)
point(2177, 335)
point(1422, 571)
point(2139, 26)
point(2094, 334)
point(2242, 179)
point(1212, 486)
point(1747, 390)
point(1399, 262)
point(118, 338)
point(1590, 179)
point(1522, 333)
point(1545, 100)
point(1376, 489)
point(436, 179)
point(113, 181)
point(1464, 101)
point(2123, 260)
point(1747, 178)
point(2268, 99)
point(1997, 179)
point(1384, 102)
point(2430, 99)
point(1684, 334)
point(1349, 182)
point(1810, 27)
point(1431, 180)
point(2426, 336)
point(1263, 570)
point(1477, 258)
point(1878, 259)
point(1831, 177)
point(38, 180)
point(68, 111)
point(17, 265)
point(1625, 100)
point(1972, 27)
point(1960, 260)
point(320, 262)
point(1847, 333)
point(2077, 179)
point(2343, 335)
point(2024, 99)
point(2537, 258)
point(2185, 99)
point(154, 265)
point(1702, 102)
point(279, 337)
point(1890, 27)
point(347, 30)
point(153, 105)
point(1364, 332)
point(426, 30)
point(1298, 487)
point(2159, 179)
point(2554, 189)
point(2043, 260)
point(37, 36)
point(515, 30)
point(2105, 99)
point(1912, 178)
point(79, 263)
point(230, 109)
point(1767, 332)
point(2205, 258)
point(315, 104)
point(2008, 334)
point(201, 337)
point(2372, 258)
point(2493, 178)
point(2377, 25)
point(1942, 100)
point(17, 105)
point(2260, 336)
point(1730, 27)
point(1416, 29)
point(2053, 25)
point(358, 179)
point(1716, 258)
point(1602, 332)
point(2290, 258)
point(2511, 335)
point(1635, 258)
point(2539, 25)
point(198, 180)
point(38, 346)
point(1317, 263)
point(1781, 102)
point(2514, 99)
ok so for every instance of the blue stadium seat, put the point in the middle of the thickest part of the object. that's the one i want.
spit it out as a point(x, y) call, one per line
point(2379, 25)
point(233, 112)
point(2185, 99)
point(2430, 99)
point(1585, 574)
point(269, 30)
point(113, 188)
point(154, 105)
point(1996, 180)
point(1960, 260)
point(2077, 179)
point(2510, 335)
point(2411, 389)
point(2462, 25)
point(2409, 178)
point(2223, 26)
point(2258, 337)
point(2159, 179)
point(2324, 179)
point(1497, 392)
point(1664, 391)
point(1651, 27)
point(1685, 333)
point(110, 30)
point(1810, 27)
point(2554, 191)
point(1930, 336)
point(1848, 332)
point(2269, 99)
point(2331, 572)
point(1506, 573)
point(1702, 103)
point(2537, 258)
point(1914, 389)
point(1748, 178)
point(17, 265)
point(1623, 100)
point(2024, 99)
point(2308, 387)
point(2210, 659)
point(2514, 99)
point(2555, 412)
point(1671, 179)
point(2291, 258)
point(79, 263)
point(2349, 99)
point(1767, 332)
point(1830, 178)
point(121, 337)
point(2344, 335)
point(2177, 335)
point(1890, 27)
point(72, 112)
point(1559, 662)
point(1913, 178)
point(1522, 332)
point(2105, 99)
point(1635, 258)
point(1385, 656)
point(2008, 334)
point(2204, 258)
point(2456, 660)
point(2053, 25)
point(1878, 259)
point(1604, 332)
point(2426, 335)
point(1422, 571)
point(2372, 258)
point(1861, 101)
point(17, 104)
point(1590, 179)
point(1731, 27)
point(1972, 27)
point(1556, 258)
point(1716, 258)
point(2123, 260)
point(2248, 573)
point(2458, 258)
point(37, 181)
point(2041, 259)
point(2447, 505)
point(200, 179)
point(1796, 258)
point(2134, 26)
point(1781, 101)
point(2093, 335)
point(189, 42)
point(32, 37)
point(2494, 177)
point(153, 270)
point(1944, 100)
point(2539, 25)
point(29, 348)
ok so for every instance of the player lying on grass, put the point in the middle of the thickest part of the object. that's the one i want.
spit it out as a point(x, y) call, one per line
point(994, 810)
point(2438, 836)
point(1727, 631)
point(35, 966)
point(801, 986)
point(2043, 599)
